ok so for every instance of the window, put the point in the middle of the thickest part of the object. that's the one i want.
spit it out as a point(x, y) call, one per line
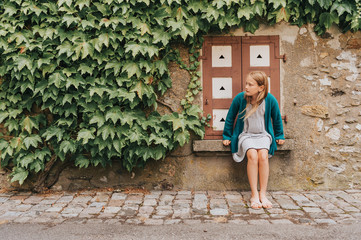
point(226, 62)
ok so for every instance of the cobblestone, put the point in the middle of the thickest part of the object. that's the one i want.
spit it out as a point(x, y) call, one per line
point(176, 207)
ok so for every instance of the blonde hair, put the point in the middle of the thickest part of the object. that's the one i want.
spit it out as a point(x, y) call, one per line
point(262, 80)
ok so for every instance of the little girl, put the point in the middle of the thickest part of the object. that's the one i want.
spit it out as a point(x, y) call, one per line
point(258, 128)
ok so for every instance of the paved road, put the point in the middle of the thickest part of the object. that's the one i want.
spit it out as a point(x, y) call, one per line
point(217, 231)
point(94, 214)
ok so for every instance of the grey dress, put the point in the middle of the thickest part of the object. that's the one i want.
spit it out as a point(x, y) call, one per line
point(254, 133)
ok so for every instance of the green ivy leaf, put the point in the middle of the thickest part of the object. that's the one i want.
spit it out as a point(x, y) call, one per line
point(218, 3)
point(135, 136)
point(107, 131)
point(342, 7)
point(181, 13)
point(67, 146)
point(36, 166)
point(245, 12)
point(65, 47)
point(133, 47)
point(150, 50)
point(23, 61)
point(159, 35)
point(42, 154)
point(82, 162)
point(114, 114)
point(98, 90)
point(140, 88)
point(57, 78)
point(14, 98)
point(118, 145)
point(17, 143)
point(144, 28)
point(19, 174)
point(32, 140)
point(12, 125)
point(26, 160)
point(87, 49)
point(161, 66)
point(325, 3)
point(211, 13)
point(74, 81)
point(259, 7)
point(132, 69)
point(159, 140)
point(82, 3)
point(13, 113)
point(3, 116)
point(186, 31)
point(196, 5)
point(277, 3)
point(194, 110)
point(128, 118)
point(85, 135)
point(85, 68)
point(175, 25)
point(282, 14)
point(3, 144)
point(181, 137)
point(177, 120)
point(115, 66)
point(29, 123)
point(53, 131)
point(10, 9)
point(98, 118)
point(69, 19)
point(327, 19)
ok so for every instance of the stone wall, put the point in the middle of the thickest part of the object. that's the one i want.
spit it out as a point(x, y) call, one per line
point(321, 95)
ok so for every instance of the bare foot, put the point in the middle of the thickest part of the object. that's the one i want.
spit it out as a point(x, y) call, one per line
point(265, 202)
point(255, 203)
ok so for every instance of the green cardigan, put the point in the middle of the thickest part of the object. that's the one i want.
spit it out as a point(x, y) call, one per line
point(272, 115)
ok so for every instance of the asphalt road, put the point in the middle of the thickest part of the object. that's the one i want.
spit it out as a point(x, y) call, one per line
point(178, 231)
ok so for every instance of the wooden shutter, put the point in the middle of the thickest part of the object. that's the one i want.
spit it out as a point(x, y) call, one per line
point(221, 79)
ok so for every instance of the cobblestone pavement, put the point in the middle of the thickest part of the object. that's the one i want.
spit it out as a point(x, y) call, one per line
point(174, 207)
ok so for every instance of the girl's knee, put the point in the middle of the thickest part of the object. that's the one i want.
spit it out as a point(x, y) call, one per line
point(252, 155)
point(263, 156)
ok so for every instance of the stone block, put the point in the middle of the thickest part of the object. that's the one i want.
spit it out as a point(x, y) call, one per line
point(150, 202)
point(312, 210)
point(65, 199)
point(219, 212)
point(112, 210)
point(118, 196)
point(315, 111)
point(146, 210)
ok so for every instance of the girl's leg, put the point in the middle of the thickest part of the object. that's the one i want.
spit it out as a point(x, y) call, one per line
point(263, 176)
point(252, 173)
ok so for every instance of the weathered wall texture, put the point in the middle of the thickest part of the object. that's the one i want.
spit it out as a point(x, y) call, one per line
point(321, 95)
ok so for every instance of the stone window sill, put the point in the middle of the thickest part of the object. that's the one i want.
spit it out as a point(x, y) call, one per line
point(217, 146)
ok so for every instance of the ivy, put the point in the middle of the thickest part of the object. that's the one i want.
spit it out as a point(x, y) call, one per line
point(81, 80)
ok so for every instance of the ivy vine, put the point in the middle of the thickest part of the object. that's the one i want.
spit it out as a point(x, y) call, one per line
point(80, 79)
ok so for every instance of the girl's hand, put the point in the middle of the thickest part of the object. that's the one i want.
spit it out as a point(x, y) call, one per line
point(280, 141)
point(226, 142)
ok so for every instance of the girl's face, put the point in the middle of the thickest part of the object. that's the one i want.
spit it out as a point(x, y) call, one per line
point(252, 88)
